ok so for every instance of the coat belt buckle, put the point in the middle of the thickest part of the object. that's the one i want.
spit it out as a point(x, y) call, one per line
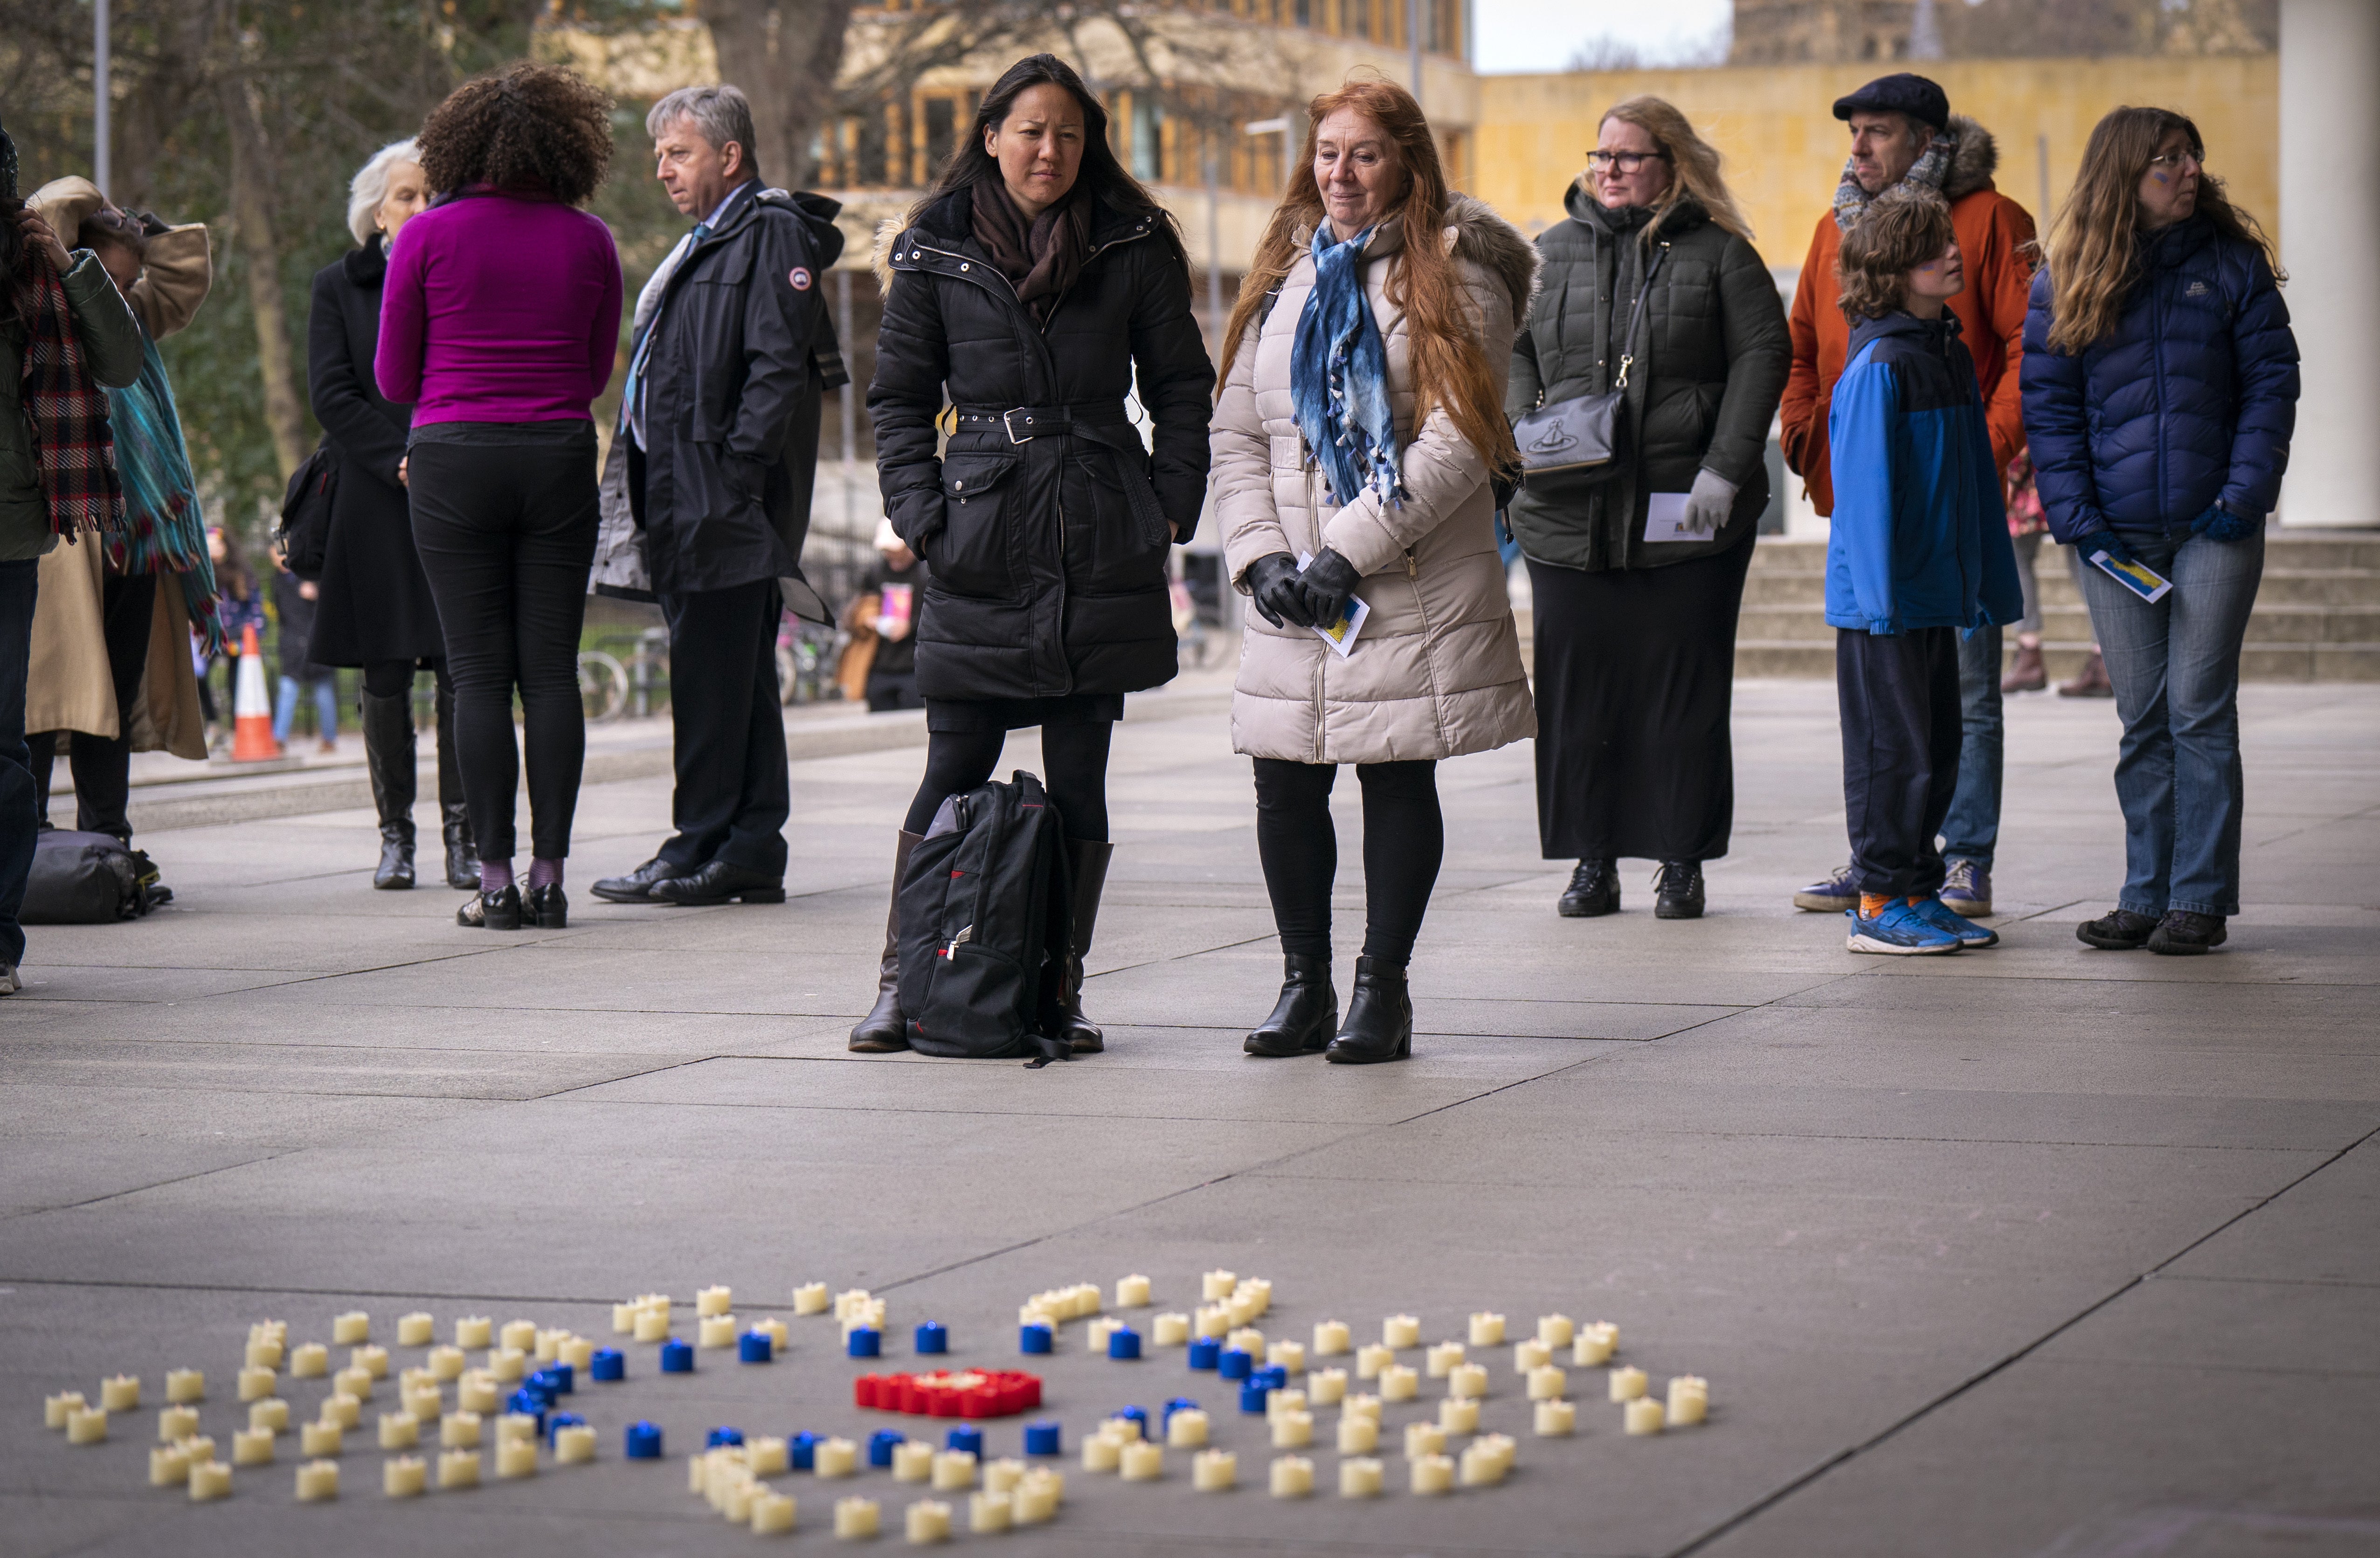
point(1008, 424)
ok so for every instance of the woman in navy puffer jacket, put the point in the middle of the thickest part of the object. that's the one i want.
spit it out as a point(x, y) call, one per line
point(2160, 388)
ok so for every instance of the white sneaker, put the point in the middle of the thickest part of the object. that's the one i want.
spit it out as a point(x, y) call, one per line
point(9, 983)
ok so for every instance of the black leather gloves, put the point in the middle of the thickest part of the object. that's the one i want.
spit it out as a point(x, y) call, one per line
point(1272, 585)
point(1325, 584)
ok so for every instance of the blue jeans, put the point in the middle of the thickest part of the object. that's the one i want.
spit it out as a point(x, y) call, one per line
point(18, 820)
point(326, 708)
point(1974, 826)
point(2175, 668)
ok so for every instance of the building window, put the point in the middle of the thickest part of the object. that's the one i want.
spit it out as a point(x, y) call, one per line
point(941, 134)
point(1147, 139)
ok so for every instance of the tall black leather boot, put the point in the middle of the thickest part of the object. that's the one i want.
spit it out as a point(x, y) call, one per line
point(1086, 861)
point(389, 758)
point(462, 859)
point(1379, 1018)
point(1306, 1014)
point(884, 1030)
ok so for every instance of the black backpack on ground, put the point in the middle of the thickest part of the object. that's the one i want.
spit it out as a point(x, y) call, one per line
point(986, 910)
point(86, 879)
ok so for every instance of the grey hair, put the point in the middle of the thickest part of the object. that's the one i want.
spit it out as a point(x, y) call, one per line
point(370, 188)
point(722, 114)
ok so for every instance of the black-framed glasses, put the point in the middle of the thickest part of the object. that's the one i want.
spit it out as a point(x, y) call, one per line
point(1624, 162)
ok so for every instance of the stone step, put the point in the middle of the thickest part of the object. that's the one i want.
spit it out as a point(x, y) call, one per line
point(2258, 661)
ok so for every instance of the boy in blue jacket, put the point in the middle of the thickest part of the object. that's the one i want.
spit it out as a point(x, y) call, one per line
point(1919, 550)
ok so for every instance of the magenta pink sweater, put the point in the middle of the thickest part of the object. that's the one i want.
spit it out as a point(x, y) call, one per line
point(499, 307)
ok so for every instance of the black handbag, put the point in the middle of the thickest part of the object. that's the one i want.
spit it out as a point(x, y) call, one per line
point(1579, 438)
point(304, 534)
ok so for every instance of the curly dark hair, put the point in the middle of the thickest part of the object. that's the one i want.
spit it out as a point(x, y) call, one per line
point(536, 126)
point(1901, 230)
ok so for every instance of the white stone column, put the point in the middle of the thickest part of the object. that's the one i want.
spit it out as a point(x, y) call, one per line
point(2330, 236)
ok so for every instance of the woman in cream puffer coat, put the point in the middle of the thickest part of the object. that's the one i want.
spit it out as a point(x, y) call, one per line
point(1435, 669)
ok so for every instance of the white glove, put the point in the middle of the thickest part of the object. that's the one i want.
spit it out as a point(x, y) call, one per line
point(1709, 503)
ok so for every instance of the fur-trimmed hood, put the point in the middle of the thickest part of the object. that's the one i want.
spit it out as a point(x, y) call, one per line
point(1978, 159)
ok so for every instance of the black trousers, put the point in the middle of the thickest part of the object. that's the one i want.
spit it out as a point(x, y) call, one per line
point(507, 534)
point(1902, 729)
point(1635, 682)
point(101, 765)
point(734, 793)
point(1074, 755)
point(1404, 840)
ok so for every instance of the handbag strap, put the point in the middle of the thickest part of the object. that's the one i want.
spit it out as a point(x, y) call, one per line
point(1627, 358)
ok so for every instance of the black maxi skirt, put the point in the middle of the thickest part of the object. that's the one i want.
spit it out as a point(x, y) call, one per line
point(1636, 677)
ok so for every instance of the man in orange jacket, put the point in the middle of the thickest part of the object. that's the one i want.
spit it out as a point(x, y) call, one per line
point(1903, 132)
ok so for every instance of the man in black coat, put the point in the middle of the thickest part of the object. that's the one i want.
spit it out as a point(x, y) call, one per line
point(716, 453)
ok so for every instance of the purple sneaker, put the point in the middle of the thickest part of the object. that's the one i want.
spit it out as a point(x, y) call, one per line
point(1968, 889)
point(1833, 895)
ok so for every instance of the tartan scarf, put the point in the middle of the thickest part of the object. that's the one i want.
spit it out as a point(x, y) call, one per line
point(165, 529)
point(1931, 171)
point(67, 412)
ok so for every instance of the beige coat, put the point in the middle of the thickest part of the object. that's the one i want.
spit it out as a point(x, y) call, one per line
point(68, 685)
point(1437, 670)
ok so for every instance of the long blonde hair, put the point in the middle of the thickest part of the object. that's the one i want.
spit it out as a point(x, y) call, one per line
point(1450, 369)
point(2093, 251)
point(1694, 164)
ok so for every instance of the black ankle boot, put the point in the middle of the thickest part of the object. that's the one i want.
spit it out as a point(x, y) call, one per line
point(884, 1030)
point(1677, 890)
point(455, 818)
point(1087, 860)
point(1594, 889)
point(1306, 1014)
point(388, 759)
point(1379, 1018)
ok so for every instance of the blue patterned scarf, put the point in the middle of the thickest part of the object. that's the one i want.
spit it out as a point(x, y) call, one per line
point(1339, 376)
point(164, 530)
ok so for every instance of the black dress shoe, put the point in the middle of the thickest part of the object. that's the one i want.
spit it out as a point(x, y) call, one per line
point(716, 883)
point(1306, 1014)
point(1379, 1018)
point(546, 909)
point(637, 885)
point(492, 911)
point(1677, 890)
point(1594, 889)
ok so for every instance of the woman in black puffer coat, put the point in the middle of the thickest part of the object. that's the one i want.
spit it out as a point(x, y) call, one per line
point(1032, 284)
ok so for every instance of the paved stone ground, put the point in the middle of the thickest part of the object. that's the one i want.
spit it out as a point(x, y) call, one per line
point(2028, 1251)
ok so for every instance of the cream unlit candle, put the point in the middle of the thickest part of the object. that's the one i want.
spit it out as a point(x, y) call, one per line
point(856, 1517)
point(517, 1458)
point(1003, 1476)
point(1469, 1380)
point(1478, 1467)
point(1242, 1309)
point(1331, 1338)
point(56, 1409)
point(1555, 1418)
point(1399, 1383)
point(623, 1320)
point(1186, 1430)
point(416, 1330)
point(520, 1334)
point(255, 1384)
point(87, 1425)
point(928, 1520)
point(1424, 1439)
point(652, 1325)
point(251, 1446)
point(461, 1431)
point(1532, 1354)
point(1371, 1357)
point(954, 1470)
point(263, 1353)
point(913, 1460)
point(1171, 1329)
point(444, 1363)
point(399, 1430)
point(1141, 1462)
point(514, 1426)
point(1327, 1386)
point(719, 1331)
point(342, 1408)
point(309, 1360)
point(574, 1444)
point(458, 1468)
point(474, 1331)
point(403, 1476)
point(1290, 1356)
point(1247, 1339)
point(272, 1414)
point(711, 1301)
point(1214, 1471)
point(1361, 1406)
point(1433, 1474)
point(1132, 1292)
point(424, 1401)
point(1643, 1416)
point(1441, 1359)
point(1555, 1331)
point(1487, 1330)
point(121, 1393)
point(476, 1392)
point(773, 1514)
point(168, 1466)
point(1548, 1384)
point(1032, 1502)
point(1456, 1415)
point(320, 1439)
point(1293, 1431)
point(185, 1385)
point(810, 1298)
point(834, 1458)
point(1627, 1384)
point(1292, 1476)
point(210, 1482)
point(373, 1359)
point(1358, 1436)
point(506, 1363)
point(349, 1329)
point(989, 1513)
point(1121, 1430)
point(357, 1383)
point(1359, 1477)
point(175, 1422)
point(1277, 1402)
point(1689, 1400)
point(1103, 1452)
point(1217, 1284)
point(1401, 1331)
point(197, 1448)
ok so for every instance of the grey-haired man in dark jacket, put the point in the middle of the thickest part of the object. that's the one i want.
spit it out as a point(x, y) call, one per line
point(714, 460)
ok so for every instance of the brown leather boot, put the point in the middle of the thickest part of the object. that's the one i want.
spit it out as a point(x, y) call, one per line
point(884, 1030)
point(2090, 682)
point(2026, 674)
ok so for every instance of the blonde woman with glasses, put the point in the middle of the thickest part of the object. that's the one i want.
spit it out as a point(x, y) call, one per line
point(2160, 389)
point(1637, 565)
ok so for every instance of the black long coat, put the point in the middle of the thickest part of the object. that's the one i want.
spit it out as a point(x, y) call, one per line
point(1047, 535)
point(375, 601)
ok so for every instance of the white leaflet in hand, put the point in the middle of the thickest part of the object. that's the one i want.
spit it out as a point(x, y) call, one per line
point(1341, 635)
point(2138, 578)
point(1665, 518)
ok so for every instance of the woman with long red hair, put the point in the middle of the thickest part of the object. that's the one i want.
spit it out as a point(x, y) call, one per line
point(1360, 425)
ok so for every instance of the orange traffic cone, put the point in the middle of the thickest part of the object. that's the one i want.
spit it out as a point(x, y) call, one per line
point(251, 707)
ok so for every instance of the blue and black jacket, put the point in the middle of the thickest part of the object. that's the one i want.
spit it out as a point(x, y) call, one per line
point(1920, 536)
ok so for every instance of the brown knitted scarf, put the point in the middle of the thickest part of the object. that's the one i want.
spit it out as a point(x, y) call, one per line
point(1041, 257)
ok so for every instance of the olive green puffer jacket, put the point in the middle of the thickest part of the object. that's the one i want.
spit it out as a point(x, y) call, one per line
point(1711, 356)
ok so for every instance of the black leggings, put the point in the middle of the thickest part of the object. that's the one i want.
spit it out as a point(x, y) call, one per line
point(506, 533)
point(394, 678)
point(1075, 755)
point(1405, 839)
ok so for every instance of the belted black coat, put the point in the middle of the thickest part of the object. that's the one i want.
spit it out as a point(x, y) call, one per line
point(1047, 531)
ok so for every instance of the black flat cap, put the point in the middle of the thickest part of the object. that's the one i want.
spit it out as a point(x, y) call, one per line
point(1903, 93)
